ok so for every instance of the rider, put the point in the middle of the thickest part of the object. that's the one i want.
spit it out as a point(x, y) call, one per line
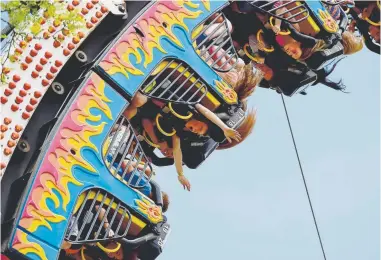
point(141, 171)
point(73, 251)
point(159, 128)
point(146, 120)
point(205, 42)
point(243, 78)
point(301, 46)
point(365, 10)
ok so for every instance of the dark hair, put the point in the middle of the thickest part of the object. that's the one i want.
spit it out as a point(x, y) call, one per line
point(323, 77)
point(165, 201)
point(213, 131)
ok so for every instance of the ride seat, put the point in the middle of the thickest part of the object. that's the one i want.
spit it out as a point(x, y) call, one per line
point(289, 82)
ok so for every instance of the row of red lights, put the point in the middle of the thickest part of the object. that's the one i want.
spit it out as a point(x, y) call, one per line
point(38, 68)
point(15, 135)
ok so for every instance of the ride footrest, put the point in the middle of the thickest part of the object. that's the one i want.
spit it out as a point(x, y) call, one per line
point(292, 82)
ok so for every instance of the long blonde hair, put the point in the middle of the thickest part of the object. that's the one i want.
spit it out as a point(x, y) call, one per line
point(351, 43)
point(245, 129)
point(243, 80)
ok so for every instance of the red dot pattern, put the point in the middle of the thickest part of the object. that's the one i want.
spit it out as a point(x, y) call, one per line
point(33, 66)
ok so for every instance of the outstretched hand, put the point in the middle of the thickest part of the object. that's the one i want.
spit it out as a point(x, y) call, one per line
point(230, 134)
point(184, 181)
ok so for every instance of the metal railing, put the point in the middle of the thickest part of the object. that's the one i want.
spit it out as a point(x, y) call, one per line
point(296, 10)
point(333, 2)
point(99, 218)
point(176, 82)
point(214, 44)
point(125, 157)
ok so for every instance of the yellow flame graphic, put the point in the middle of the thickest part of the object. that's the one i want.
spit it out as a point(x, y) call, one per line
point(152, 211)
point(206, 4)
point(328, 22)
point(65, 156)
point(24, 246)
point(228, 93)
point(157, 25)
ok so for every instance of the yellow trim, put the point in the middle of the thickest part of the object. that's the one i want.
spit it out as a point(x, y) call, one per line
point(248, 54)
point(105, 146)
point(149, 141)
point(92, 194)
point(378, 4)
point(372, 23)
point(178, 115)
point(213, 100)
point(104, 249)
point(259, 40)
point(196, 31)
point(288, 32)
point(161, 129)
point(159, 68)
point(82, 253)
point(311, 21)
point(150, 87)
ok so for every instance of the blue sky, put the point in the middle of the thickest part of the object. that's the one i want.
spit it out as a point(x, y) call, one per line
point(250, 202)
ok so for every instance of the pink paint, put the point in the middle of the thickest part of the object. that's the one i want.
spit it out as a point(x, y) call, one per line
point(47, 167)
point(280, 39)
point(16, 238)
point(150, 17)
